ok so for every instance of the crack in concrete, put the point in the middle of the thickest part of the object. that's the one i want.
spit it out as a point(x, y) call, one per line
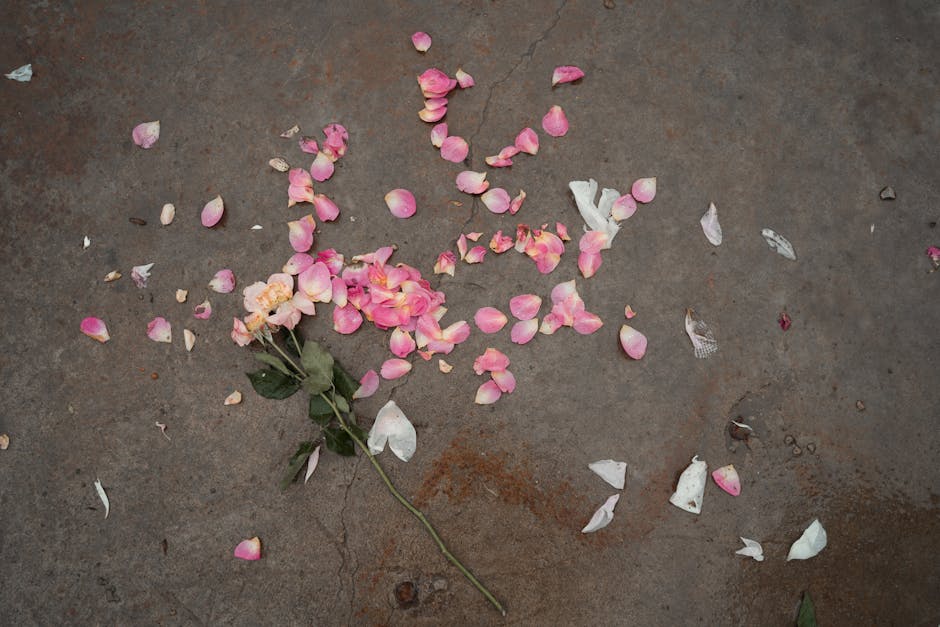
point(345, 553)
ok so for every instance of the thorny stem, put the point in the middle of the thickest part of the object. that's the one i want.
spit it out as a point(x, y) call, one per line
point(414, 510)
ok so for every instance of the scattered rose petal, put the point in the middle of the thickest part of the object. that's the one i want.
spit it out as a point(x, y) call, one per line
point(474, 236)
point(391, 426)
point(727, 479)
point(322, 167)
point(610, 471)
point(711, 226)
point(462, 246)
point(566, 74)
point(629, 313)
point(212, 212)
point(312, 462)
point(434, 104)
point(401, 343)
point(368, 385)
point(784, 321)
point(555, 123)
point(307, 145)
point(297, 264)
point(279, 164)
point(455, 149)
point(435, 84)
point(300, 233)
point(588, 262)
point(525, 306)
point(586, 323)
point(491, 360)
point(326, 209)
point(495, 161)
point(240, 333)
point(23, 74)
point(203, 310)
point(140, 274)
point(146, 134)
point(445, 263)
point(103, 496)
point(95, 328)
point(159, 330)
point(633, 342)
point(421, 41)
point(496, 200)
point(596, 217)
point(249, 549)
point(691, 487)
point(181, 295)
point(527, 141)
point(751, 549)
point(300, 188)
point(401, 203)
point(488, 393)
point(432, 115)
point(809, 545)
point(464, 79)
point(505, 380)
point(934, 253)
point(779, 243)
point(439, 134)
point(500, 243)
point(114, 275)
point(490, 319)
point(523, 331)
point(233, 399)
point(703, 338)
point(471, 182)
point(443, 366)
point(644, 190)
point(516, 203)
point(562, 231)
point(602, 516)
point(346, 319)
point(223, 282)
point(475, 254)
point(290, 132)
point(395, 368)
point(167, 214)
point(623, 208)
point(189, 339)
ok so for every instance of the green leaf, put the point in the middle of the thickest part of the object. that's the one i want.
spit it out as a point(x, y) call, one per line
point(320, 411)
point(318, 363)
point(271, 360)
point(339, 441)
point(288, 342)
point(296, 463)
point(344, 383)
point(341, 404)
point(807, 615)
point(357, 431)
point(270, 383)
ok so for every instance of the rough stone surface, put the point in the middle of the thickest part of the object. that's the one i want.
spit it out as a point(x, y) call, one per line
point(791, 117)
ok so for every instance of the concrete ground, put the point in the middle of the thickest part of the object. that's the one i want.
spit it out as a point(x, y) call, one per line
point(788, 116)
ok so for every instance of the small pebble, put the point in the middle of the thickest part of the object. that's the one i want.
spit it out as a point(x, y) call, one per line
point(4, 441)
point(154, 376)
point(888, 193)
point(811, 448)
point(137, 221)
point(789, 440)
point(797, 451)
point(406, 593)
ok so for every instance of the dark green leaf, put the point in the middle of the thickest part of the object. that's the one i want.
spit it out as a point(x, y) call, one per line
point(357, 431)
point(270, 383)
point(271, 360)
point(296, 463)
point(320, 411)
point(344, 383)
point(339, 441)
point(807, 615)
point(318, 363)
point(341, 404)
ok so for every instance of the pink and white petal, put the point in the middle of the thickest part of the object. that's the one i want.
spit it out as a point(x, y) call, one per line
point(644, 190)
point(527, 141)
point(316, 283)
point(462, 246)
point(550, 324)
point(728, 480)
point(300, 233)
point(525, 306)
point(392, 427)
point(516, 203)
point(474, 236)
point(395, 368)
point(322, 167)
point(425, 355)
point(500, 243)
point(445, 263)
point(212, 212)
point(249, 549)
point(203, 310)
point(297, 263)
point(562, 232)
point(240, 333)
point(523, 331)
point(433, 104)
point(488, 393)
point(555, 123)
point(401, 343)
point(308, 145)
point(566, 74)
point(471, 182)
point(433, 81)
point(456, 333)
point(421, 41)
point(401, 203)
point(587, 323)
point(346, 319)
point(594, 242)
point(490, 319)
point(588, 263)
point(633, 342)
point(505, 380)
point(95, 328)
point(508, 152)
point(492, 360)
point(340, 291)
point(623, 207)
point(454, 149)
point(439, 134)
point(463, 79)
point(428, 115)
point(300, 178)
point(326, 209)
point(475, 254)
point(223, 282)
point(159, 330)
point(628, 312)
point(496, 200)
point(146, 134)
point(563, 291)
point(368, 385)
point(495, 161)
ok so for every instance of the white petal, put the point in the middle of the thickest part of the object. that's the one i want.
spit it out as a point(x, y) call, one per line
point(810, 543)
point(602, 516)
point(779, 243)
point(610, 471)
point(86, 242)
point(751, 549)
point(392, 426)
point(104, 497)
point(701, 335)
point(710, 225)
point(22, 74)
point(606, 203)
point(691, 487)
point(312, 462)
point(596, 220)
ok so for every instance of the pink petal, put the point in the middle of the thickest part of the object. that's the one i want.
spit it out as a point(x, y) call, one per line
point(326, 209)
point(401, 343)
point(315, 283)
point(223, 282)
point(249, 549)
point(488, 393)
point(322, 167)
point(471, 182)
point(462, 246)
point(562, 231)
point(550, 324)
point(454, 149)
point(401, 203)
point(934, 253)
point(433, 104)
point(505, 380)
point(439, 134)
point(346, 319)
point(445, 263)
point(496, 200)
point(435, 83)
point(644, 190)
point(516, 203)
point(623, 207)
point(588, 263)
point(475, 254)
point(456, 333)
point(395, 368)
point(203, 310)
point(555, 123)
point(340, 291)
point(297, 263)
point(586, 323)
point(633, 342)
point(212, 212)
point(421, 41)
point(308, 145)
point(490, 319)
point(628, 312)
point(95, 328)
point(728, 480)
point(159, 330)
point(495, 161)
point(432, 115)
point(464, 79)
point(523, 331)
point(300, 233)
point(525, 306)
point(566, 74)
point(500, 243)
point(564, 291)
point(240, 333)
point(146, 134)
point(368, 385)
point(527, 141)
point(474, 236)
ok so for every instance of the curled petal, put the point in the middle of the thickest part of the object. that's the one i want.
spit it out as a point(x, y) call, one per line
point(326, 209)
point(555, 123)
point(439, 134)
point(146, 134)
point(297, 264)
point(443, 366)
point(435, 83)
point(491, 360)
point(727, 479)
point(395, 368)
point(167, 213)
point(300, 233)
point(505, 380)
point(751, 549)
point(189, 339)
point(401, 203)
point(629, 313)
point(249, 549)
point(393, 427)
point(523, 331)
point(623, 207)
point(471, 182)
point(462, 246)
point(308, 145)
point(500, 243)
point(633, 342)
point(516, 203)
point(96, 329)
point(474, 236)
point(455, 149)
point(322, 167)
point(475, 254)
point(710, 225)
point(490, 319)
point(562, 232)
point(223, 282)
point(421, 41)
point(159, 330)
point(368, 385)
point(495, 161)
point(445, 263)
point(401, 343)
point(586, 323)
point(527, 141)
point(312, 463)
point(488, 393)
point(233, 399)
point(432, 115)
point(346, 319)
point(588, 263)
point(644, 190)
point(496, 200)
point(566, 74)
point(464, 79)
point(602, 516)
point(212, 212)
point(614, 473)
point(203, 310)
point(525, 306)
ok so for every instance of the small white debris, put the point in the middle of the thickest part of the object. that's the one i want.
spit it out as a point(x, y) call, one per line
point(691, 487)
point(257, 227)
point(352, 218)
point(103, 497)
point(279, 164)
point(181, 295)
point(23, 74)
point(751, 548)
point(887, 193)
point(703, 338)
point(4, 441)
point(189, 339)
point(710, 225)
point(167, 214)
point(114, 275)
point(610, 471)
point(234, 398)
point(86, 242)
point(290, 132)
point(779, 243)
point(162, 428)
point(603, 515)
point(812, 541)
point(312, 462)
point(140, 274)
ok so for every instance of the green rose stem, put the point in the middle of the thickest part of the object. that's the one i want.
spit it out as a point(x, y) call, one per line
point(414, 510)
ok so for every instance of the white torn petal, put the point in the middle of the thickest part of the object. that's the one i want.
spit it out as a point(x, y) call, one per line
point(256, 227)
point(86, 242)
point(710, 225)
point(810, 543)
point(392, 426)
point(162, 428)
point(751, 549)
point(691, 487)
point(290, 132)
point(312, 462)
point(779, 243)
point(742, 425)
point(23, 74)
point(234, 398)
point(610, 471)
point(189, 339)
point(602, 516)
point(167, 213)
point(104, 497)
point(140, 274)
point(703, 338)
point(596, 219)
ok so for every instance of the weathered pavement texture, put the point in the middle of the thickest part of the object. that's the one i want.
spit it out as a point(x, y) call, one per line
point(791, 117)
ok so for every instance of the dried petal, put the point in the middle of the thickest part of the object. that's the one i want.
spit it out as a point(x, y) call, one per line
point(322, 167)
point(23, 74)
point(443, 366)
point(454, 149)
point(159, 330)
point(445, 263)
point(523, 331)
point(471, 182)
point(401, 343)
point(527, 141)
point(103, 496)
point(312, 462)
point(233, 399)
point(490, 319)
point(710, 225)
point(784, 321)
point(488, 393)
point(644, 190)
point(629, 313)
point(623, 208)
point(146, 134)
point(496, 200)
point(691, 487)
point(212, 212)
point(395, 368)
point(474, 236)
point(751, 549)
point(727, 479)
point(596, 217)
point(223, 282)
point(307, 145)
point(813, 540)
point(114, 275)
point(290, 132)
point(439, 134)
point(401, 203)
point(4, 441)
point(95, 328)
point(249, 549)
point(562, 231)
point(140, 274)
point(368, 385)
point(167, 214)
point(189, 339)
point(203, 310)
point(566, 74)
point(279, 164)
point(555, 123)
point(464, 79)
point(391, 426)
point(703, 339)
point(475, 254)
point(612, 472)
point(500, 243)
point(779, 243)
point(633, 342)
point(602, 516)
point(181, 295)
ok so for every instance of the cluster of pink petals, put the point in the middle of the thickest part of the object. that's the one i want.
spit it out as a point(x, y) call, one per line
point(525, 308)
point(95, 328)
point(421, 41)
point(568, 310)
point(591, 245)
point(541, 245)
point(332, 149)
point(501, 379)
point(301, 190)
point(223, 282)
point(566, 74)
point(555, 123)
point(435, 86)
point(430, 336)
point(401, 203)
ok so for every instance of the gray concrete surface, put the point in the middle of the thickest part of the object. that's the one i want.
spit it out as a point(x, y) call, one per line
point(791, 117)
